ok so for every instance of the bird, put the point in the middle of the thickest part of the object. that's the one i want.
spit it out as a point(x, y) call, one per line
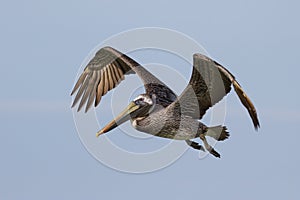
point(159, 111)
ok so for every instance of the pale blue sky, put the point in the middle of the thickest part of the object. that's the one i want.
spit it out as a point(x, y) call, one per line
point(42, 46)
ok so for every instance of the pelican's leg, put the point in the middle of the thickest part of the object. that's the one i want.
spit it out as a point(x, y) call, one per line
point(208, 147)
point(195, 145)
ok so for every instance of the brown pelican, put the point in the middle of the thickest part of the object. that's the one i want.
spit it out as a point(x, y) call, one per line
point(160, 111)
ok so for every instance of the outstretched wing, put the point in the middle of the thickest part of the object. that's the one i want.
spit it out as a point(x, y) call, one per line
point(104, 72)
point(209, 83)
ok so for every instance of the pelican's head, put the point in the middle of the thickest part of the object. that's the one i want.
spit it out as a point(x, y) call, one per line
point(141, 106)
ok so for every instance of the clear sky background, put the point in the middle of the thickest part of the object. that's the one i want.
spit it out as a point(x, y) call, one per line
point(42, 45)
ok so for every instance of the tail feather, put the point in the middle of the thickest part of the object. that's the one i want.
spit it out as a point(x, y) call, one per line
point(219, 133)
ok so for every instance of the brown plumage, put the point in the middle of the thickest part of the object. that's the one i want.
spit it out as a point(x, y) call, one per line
point(159, 111)
point(210, 82)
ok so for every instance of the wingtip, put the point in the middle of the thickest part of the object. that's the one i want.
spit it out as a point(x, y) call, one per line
point(73, 104)
point(257, 126)
point(87, 108)
point(72, 92)
point(79, 108)
point(255, 119)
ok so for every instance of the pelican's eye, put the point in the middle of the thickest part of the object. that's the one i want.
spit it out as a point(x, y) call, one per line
point(139, 101)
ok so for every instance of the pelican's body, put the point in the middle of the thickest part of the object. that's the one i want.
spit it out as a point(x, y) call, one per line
point(160, 111)
point(162, 124)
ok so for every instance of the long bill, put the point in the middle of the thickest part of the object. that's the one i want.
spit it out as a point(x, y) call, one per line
point(120, 119)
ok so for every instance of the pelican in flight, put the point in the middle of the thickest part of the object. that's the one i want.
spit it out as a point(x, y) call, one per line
point(159, 111)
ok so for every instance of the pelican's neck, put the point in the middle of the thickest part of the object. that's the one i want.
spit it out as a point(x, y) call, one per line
point(142, 121)
point(135, 121)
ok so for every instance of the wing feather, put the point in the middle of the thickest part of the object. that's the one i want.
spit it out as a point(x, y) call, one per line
point(247, 103)
point(209, 83)
point(81, 90)
point(104, 72)
point(110, 77)
point(117, 75)
point(99, 92)
point(92, 94)
point(79, 82)
point(113, 76)
point(119, 70)
point(87, 91)
point(105, 79)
